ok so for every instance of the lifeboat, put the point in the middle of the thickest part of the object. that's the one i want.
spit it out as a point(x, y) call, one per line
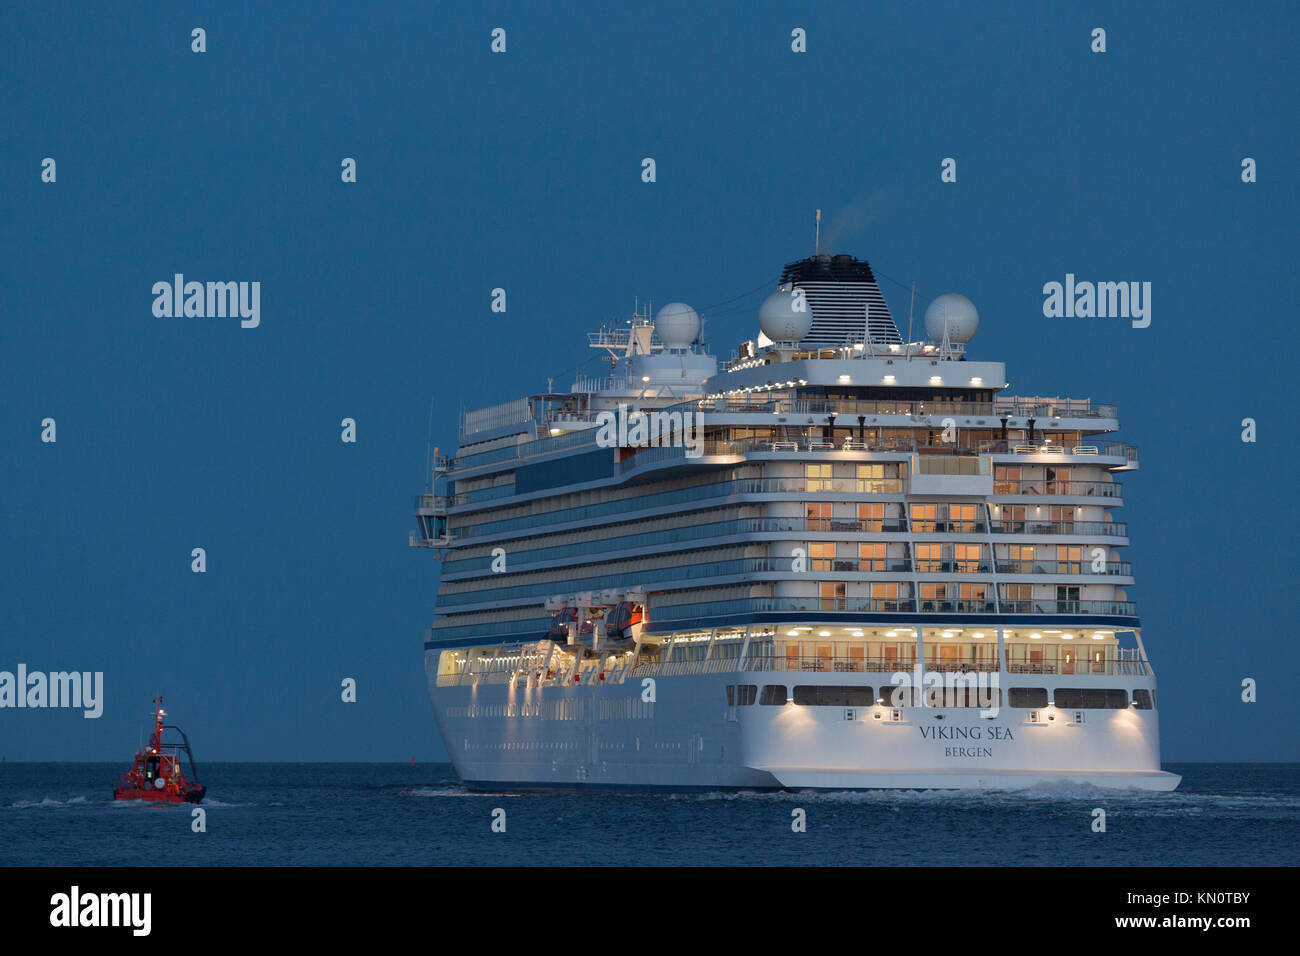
point(559, 630)
point(156, 774)
point(620, 620)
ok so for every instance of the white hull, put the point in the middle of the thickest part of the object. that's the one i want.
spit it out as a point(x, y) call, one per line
point(605, 735)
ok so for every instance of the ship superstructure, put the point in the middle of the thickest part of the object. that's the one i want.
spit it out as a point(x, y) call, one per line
point(841, 560)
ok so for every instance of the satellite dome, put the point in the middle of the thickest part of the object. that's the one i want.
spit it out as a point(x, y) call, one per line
point(956, 313)
point(677, 325)
point(780, 320)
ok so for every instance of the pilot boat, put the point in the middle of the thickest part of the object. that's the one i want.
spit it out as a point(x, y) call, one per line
point(156, 774)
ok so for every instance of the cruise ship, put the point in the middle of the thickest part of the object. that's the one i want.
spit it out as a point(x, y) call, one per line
point(843, 559)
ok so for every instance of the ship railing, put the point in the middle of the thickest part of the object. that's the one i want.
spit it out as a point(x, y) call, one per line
point(928, 566)
point(649, 456)
point(1120, 568)
point(1104, 608)
point(1116, 529)
point(1109, 667)
point(1015, 406)
point(433, 504)
point(941, 526)
point(416, 540)
point(862, 566)
point(987, 605)
point(1012, 408)
point(525, 449)
point(1020, 447)
point(623, 668)
point(987, 664)
point(827, 665)
point(799, 444)
point(1088, 489)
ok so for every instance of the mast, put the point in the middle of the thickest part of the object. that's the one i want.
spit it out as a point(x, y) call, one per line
point(910, 306)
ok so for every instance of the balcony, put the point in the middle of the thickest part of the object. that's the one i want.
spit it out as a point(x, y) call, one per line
point(1082, 489)
point(1114, 529)
point(1119, 568)
point(1107, 608)
point(1128, 453)
point(904, 606)
point(927, 566)
point(863, 566)
point(417, 540)
point(430, 505)
point(1042, 409)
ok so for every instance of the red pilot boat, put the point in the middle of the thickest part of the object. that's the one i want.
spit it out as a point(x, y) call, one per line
point(156, 774)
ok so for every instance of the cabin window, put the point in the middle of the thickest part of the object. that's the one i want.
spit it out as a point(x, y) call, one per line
point(871, 557)
point(1006, 479)
point(871, 479)
point(1090, 698)
point(966, 557)
point(832, 695)
point(964, 517)
point(872, 517)
point(1142, 699)
point(985, 698)
point(819, 477)
point(773, 695)
point(821, 554)
point(1031, 697)
point(929, 558)
point(925, 518)
point(832, 595)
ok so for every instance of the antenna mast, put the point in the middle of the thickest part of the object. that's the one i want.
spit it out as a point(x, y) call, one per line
point(910, 305)
point(428, 462)
point(817, 239)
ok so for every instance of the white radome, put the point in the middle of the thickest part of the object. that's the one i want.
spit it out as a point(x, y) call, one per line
point(779, 320)
point(677, 325)
point(959, 314)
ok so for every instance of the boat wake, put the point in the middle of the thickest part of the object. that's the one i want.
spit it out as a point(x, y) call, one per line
point(46, 802)
point(450, 790)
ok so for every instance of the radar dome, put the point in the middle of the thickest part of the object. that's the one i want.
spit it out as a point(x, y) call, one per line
point(677, 325)
point(956, 313)
point(785, 317)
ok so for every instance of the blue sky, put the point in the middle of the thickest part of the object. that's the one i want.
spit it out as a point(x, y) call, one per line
point(522, 171)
